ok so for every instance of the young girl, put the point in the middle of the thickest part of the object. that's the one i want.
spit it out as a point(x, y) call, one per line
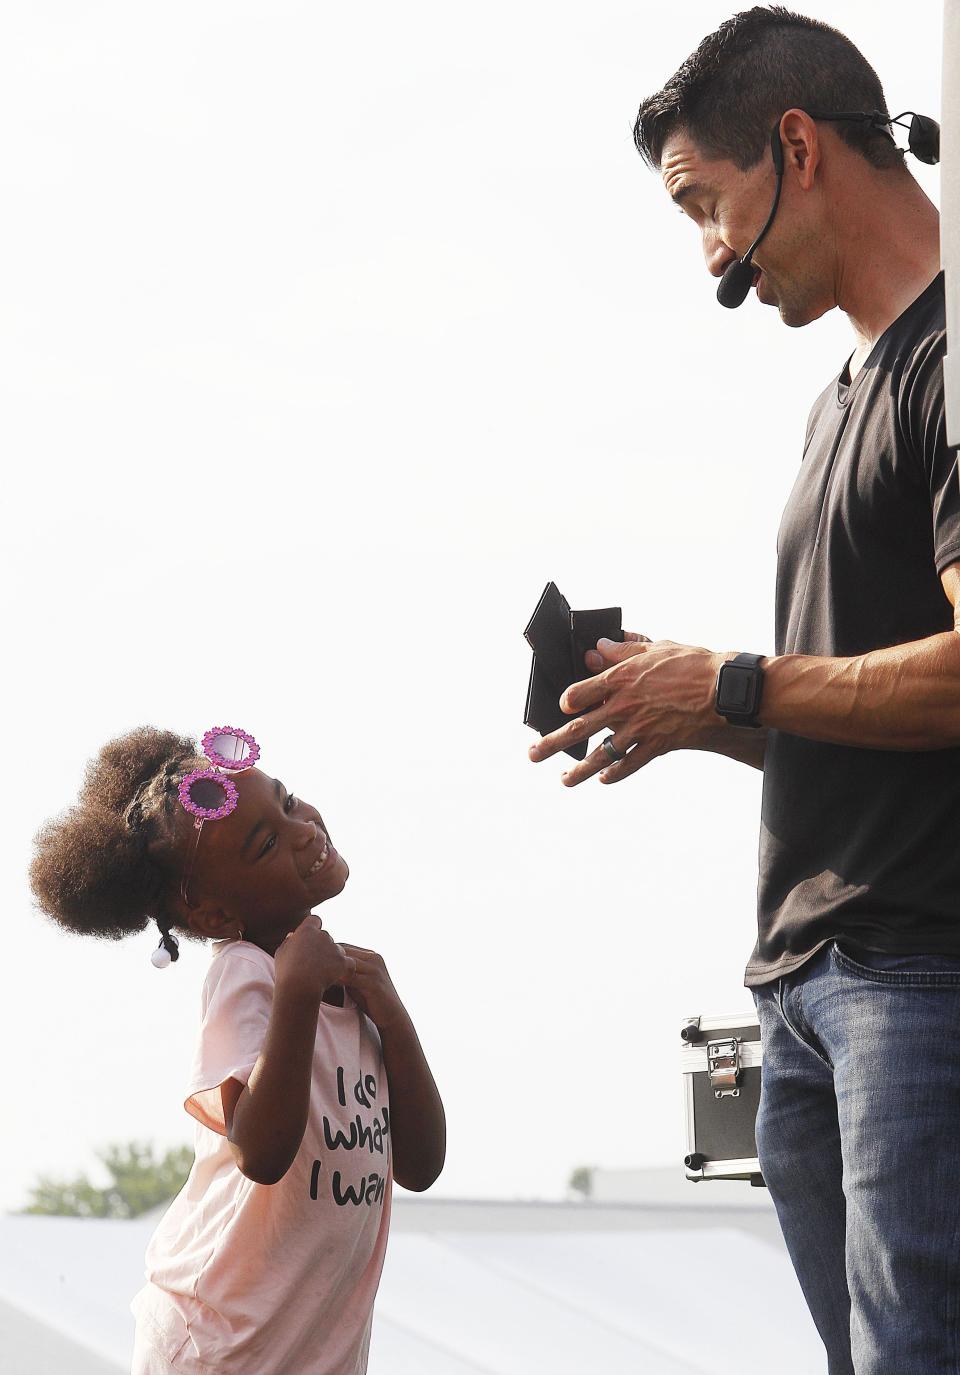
point(309, 1087)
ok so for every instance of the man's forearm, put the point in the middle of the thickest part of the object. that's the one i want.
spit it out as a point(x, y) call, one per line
point(906, 697)
point(744, 744)
point(660, 696)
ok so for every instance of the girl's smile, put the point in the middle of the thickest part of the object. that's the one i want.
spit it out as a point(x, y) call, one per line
point(318, 863)
point(260, 870)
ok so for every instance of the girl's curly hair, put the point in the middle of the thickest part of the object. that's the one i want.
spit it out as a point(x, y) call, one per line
point(104, 867)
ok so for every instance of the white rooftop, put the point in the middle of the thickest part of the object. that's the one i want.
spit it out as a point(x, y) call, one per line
point(697, 1284)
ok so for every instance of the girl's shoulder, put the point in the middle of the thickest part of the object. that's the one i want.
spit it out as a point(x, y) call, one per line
point(239, 961)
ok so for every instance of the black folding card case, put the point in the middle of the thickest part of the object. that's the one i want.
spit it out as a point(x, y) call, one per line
point(559, 639)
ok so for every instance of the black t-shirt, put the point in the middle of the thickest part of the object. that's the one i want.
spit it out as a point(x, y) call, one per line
point(864, 843)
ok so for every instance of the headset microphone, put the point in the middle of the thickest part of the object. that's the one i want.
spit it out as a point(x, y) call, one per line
point(738, 277)
point(735, 283)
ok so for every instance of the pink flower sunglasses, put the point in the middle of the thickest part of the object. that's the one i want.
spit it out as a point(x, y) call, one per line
point(209, 794)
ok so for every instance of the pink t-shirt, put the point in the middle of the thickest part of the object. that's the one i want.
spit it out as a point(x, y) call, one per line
point(279, 1279)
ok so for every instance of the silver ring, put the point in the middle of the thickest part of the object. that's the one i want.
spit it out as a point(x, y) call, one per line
point(611, 751)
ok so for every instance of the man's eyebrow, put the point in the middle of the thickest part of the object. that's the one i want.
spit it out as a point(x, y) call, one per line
point(279, 789)
point(692, 188)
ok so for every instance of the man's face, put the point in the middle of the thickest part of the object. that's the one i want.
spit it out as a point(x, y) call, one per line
point(730, 207)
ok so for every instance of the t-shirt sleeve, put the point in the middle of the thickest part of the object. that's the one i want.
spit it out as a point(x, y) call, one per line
point(924, 418)
point(237, 1001)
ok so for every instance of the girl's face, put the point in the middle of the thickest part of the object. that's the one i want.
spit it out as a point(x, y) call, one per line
point(263, 868)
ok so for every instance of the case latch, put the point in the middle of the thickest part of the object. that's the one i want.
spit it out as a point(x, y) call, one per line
point(723, 1067)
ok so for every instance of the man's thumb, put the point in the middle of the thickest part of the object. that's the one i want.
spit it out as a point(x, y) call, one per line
point(613, 650)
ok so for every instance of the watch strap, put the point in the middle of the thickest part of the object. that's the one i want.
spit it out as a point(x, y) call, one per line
point(738, 692)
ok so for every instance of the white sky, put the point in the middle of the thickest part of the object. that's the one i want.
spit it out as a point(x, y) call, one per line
point(329, 335)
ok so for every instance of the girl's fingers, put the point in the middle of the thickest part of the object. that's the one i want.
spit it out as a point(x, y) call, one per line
point(357, 951)
point(359, 972)
point(358, 966)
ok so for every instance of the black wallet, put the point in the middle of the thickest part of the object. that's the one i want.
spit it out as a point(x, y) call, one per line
point(559, 639)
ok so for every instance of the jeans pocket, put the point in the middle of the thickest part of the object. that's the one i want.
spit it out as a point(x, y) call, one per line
point(904, 971)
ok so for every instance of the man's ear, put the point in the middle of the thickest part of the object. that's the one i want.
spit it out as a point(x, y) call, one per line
point(801, 147)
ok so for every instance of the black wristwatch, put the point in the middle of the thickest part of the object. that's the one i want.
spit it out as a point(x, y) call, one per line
point(739, 689)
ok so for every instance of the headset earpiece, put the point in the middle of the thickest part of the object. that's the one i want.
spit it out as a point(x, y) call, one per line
point(924, 139)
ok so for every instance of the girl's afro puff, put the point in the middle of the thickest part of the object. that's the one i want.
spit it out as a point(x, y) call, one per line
point(102, 867)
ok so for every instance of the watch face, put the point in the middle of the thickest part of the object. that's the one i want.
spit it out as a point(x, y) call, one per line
point(738, 690)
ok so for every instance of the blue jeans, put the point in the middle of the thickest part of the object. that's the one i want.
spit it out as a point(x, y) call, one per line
point(858, 1135)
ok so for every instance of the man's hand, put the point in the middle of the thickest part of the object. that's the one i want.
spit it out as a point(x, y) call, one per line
point(371, 988)
point(654, 696)
point(595, 661)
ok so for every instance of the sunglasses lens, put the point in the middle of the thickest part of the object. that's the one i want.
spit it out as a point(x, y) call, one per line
point(231, 747)
point(208, 793)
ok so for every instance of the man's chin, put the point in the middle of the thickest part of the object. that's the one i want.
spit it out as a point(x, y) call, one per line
point(795, 314)
point(793, 319)
point(768, 295)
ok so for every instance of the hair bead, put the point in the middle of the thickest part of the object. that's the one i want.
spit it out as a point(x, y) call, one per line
point(168, 951)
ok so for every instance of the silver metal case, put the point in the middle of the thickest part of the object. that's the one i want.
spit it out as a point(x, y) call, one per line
point(720, 1061)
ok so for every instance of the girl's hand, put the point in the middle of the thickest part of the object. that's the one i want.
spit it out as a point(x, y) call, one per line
point(308, 961)
point(371, 988)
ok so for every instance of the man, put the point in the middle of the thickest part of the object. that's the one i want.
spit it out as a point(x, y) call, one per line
point(855, 720)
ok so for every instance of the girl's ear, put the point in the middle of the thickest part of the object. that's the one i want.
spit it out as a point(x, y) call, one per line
point(207, 919)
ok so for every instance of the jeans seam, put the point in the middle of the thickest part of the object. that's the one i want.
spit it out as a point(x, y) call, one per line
point(903, 978)
point(809, 1030)
point(953, 1302)
point(778, 1000)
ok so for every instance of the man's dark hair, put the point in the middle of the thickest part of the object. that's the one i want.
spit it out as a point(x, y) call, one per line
point(729, 94)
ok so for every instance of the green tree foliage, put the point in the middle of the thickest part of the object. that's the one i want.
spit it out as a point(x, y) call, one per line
point(581, 1180)
point(139, 1181)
